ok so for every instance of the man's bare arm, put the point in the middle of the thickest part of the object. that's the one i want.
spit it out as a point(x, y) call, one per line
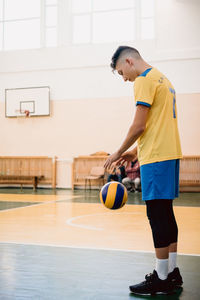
point(135, 131)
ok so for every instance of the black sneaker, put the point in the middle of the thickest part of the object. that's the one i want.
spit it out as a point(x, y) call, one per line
point(152, 285)
point(175, 278)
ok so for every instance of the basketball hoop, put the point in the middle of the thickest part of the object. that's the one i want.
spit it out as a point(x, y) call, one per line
point(27, 113)
point(22, 113)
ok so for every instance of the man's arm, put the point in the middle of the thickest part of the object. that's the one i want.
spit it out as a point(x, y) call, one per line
point(135, 131)
point(137, 128)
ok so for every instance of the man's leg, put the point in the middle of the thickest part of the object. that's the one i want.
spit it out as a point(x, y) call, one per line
point(127, 182)
point(157, 213)
point(157, 282)
point(136, 182)
point(173, 239)
point(170, 252)
point(173, 247)
point(174, 273)
point(162, 253)
point(172, 256)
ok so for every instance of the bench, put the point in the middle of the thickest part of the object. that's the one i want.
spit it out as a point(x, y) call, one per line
point(189, 171)
point(189, 179)
point(81, 169)
point(32, 170)
point(20, 179)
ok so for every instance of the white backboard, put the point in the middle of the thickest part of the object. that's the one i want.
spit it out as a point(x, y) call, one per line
point(34, 99)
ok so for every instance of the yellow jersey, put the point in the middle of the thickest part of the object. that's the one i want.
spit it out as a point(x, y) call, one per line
point(160, 141)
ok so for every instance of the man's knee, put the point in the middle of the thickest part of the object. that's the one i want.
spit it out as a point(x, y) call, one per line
point(137, 182)
point(159, 222)
point(126, 180)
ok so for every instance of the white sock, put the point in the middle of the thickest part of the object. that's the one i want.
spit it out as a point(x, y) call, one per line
point(162, 268)
point(172, 261)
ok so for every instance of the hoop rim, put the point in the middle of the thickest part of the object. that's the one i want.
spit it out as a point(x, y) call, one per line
point(22, 113)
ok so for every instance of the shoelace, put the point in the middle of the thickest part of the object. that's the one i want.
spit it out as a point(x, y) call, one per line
point(149, 277)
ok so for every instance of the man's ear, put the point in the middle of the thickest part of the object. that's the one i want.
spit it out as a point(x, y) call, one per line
point(130, 61)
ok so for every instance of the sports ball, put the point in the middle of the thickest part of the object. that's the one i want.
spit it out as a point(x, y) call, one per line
point(113, 195)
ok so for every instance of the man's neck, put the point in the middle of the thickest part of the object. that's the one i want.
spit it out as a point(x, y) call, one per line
point(142, 66)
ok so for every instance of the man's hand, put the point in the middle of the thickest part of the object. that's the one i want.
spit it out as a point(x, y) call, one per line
point(126, 157)
point(111, 159)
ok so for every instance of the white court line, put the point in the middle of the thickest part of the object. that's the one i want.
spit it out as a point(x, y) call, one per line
point(27, 206)
point(87, 248)
point(33, 203)
point(71, 220)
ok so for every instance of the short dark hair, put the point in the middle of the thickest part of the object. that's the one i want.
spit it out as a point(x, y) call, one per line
point(120, 50)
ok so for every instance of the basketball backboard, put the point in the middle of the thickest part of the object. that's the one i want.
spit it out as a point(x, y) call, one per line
point(36, 100)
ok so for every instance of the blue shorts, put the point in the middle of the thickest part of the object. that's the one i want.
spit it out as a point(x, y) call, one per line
point(160, 180)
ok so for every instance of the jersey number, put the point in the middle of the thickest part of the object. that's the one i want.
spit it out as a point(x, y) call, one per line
point(174, 101)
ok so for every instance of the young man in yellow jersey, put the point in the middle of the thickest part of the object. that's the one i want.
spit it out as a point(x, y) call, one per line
point(155, 129)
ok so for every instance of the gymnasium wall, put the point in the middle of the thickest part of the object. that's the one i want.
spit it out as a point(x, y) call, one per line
point(91, 109)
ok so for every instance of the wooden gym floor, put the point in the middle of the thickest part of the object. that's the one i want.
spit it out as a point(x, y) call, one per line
point(65, 245)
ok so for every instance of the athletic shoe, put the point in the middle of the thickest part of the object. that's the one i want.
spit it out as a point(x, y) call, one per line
point(152, 285)
point(131, 189)
point(175, 278)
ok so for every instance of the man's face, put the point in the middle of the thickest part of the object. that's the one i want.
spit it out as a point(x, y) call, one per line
point(126, 69)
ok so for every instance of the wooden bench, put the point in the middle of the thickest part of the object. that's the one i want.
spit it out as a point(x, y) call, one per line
point(20, 179)
point(81, 168)
point(189, 171)
point(32, 170)
point(189, 180)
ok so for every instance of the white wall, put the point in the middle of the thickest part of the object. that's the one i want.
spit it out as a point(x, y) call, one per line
point(99, 82)
point(177, 24)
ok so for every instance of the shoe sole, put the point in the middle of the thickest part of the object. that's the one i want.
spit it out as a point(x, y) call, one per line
point(177, 285)
point(153, 294)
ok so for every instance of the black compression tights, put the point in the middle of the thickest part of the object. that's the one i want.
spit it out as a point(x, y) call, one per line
point(162, 221)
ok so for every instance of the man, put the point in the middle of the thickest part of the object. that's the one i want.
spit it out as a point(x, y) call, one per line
point(156, 131)
point(132, 179)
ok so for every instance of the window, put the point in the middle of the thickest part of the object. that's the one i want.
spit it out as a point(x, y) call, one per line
point(27, 24)
point(23, 34)
point(104, 21)
point(51, 23)
point(147, 19)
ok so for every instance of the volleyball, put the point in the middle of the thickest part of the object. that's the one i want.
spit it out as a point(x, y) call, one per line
point(113, 195)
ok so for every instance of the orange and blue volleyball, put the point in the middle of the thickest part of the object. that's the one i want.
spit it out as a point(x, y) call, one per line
point(113, 195)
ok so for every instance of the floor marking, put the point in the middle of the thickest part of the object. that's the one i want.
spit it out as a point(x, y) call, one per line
point(71, 220)
point(88, 248)
point(34, 204)
point(27, 206)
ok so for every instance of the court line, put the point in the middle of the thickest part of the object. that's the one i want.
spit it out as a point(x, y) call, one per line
point(70, 221)
point(89, 248)
point(27, 206)
point(36, 203)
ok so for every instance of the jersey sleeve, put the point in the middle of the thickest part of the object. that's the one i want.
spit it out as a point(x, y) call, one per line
point(144, 91)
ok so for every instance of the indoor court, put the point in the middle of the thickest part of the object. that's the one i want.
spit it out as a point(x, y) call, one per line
point(65, 245)
point(63, 113)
